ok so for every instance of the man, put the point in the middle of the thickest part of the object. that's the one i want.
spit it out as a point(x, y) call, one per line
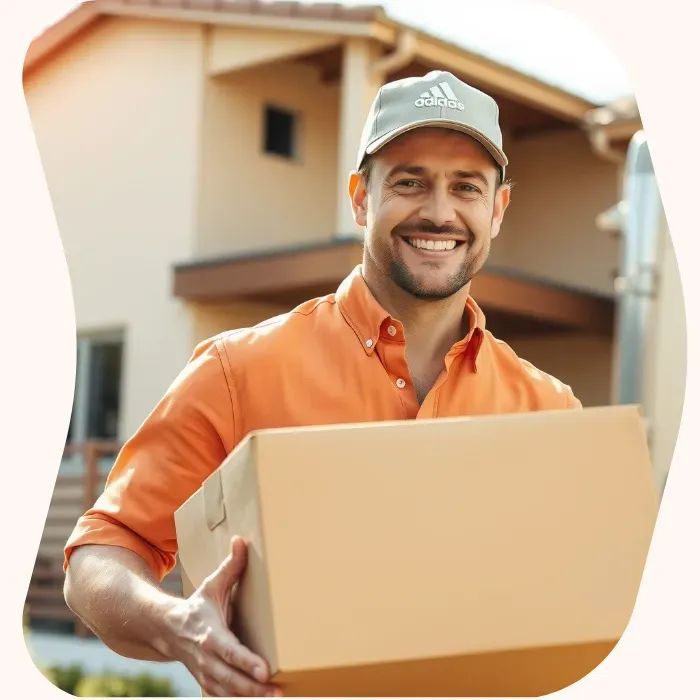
point(401, 339)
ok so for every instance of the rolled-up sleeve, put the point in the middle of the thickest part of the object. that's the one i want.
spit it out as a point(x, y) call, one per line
point(186, 437)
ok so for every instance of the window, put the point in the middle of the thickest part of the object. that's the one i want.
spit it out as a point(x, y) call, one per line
point(98, 378)
point(280, 132)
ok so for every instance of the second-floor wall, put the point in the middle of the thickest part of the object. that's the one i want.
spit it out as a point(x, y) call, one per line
point(251, 195)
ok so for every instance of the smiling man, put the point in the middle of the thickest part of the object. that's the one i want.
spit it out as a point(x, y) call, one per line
point(401, 339)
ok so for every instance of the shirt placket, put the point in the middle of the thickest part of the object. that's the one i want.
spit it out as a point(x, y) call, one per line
point(392, 353)
point(431, 404)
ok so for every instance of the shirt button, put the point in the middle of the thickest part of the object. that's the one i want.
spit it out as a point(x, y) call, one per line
point(369, 343)
point(400, 383)
point(391, 330)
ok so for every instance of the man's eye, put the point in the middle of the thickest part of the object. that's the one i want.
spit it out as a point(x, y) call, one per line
point(408, 183)
point(465, 187)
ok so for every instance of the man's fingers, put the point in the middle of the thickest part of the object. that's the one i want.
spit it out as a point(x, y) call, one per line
point(239, 550)
point(227, 666)
point(235, 682)
point(214, 690)
point(230, 570)
point(235, 655)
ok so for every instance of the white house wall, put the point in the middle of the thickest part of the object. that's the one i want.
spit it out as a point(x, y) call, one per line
point(116, 121)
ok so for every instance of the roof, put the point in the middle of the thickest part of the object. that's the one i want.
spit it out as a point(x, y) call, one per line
point(334, 18)
point(326, 10)
point(207, 11)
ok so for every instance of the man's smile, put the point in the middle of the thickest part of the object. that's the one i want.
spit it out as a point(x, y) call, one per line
point(434, 246)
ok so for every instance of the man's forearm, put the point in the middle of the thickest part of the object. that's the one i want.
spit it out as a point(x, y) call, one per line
point(114, 593)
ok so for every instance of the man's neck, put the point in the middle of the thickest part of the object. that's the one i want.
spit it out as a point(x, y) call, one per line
point(431, 327)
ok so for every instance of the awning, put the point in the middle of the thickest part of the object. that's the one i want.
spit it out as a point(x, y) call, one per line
point(513, 302)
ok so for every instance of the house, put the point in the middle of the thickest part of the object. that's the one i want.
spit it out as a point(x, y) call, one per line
point(197, 156)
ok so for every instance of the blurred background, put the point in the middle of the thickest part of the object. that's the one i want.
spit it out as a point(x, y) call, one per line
point(197, 155)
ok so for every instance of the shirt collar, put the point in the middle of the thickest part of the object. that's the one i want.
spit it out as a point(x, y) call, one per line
point(366, 316)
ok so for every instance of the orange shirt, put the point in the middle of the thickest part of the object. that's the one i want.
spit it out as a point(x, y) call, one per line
point(337, 359)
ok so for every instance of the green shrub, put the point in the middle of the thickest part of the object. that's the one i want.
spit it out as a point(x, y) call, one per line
point(147, 686)
point(65, 678)
point(73, 681)
point(102, 687)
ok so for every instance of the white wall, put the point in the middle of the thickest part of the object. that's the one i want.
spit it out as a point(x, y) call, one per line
point(116, 117)
point(250, 200)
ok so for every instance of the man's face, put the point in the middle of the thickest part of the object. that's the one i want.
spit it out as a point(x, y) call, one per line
point(430, 210)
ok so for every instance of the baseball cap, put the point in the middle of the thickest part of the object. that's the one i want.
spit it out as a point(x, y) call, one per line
point(437, 99)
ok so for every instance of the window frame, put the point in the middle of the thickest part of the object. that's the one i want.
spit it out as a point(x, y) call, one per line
point(80, 419)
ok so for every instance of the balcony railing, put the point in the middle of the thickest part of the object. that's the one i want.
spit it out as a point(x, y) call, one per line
point(81, 478)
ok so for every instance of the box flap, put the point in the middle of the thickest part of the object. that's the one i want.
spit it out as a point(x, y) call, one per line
point(202, 540)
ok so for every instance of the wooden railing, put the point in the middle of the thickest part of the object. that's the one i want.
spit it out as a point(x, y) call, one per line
point(73, 494)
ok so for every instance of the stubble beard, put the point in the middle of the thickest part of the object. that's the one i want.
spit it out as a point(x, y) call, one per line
point(411, 283)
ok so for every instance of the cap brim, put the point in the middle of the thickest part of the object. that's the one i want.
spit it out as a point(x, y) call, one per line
point(498, 155)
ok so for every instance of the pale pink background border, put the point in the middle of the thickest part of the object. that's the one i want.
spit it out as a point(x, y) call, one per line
point(657, 656)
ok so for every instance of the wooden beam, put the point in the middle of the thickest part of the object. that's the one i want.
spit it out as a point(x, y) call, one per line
point(294, 275)
point(267, 274)
point(550, 304)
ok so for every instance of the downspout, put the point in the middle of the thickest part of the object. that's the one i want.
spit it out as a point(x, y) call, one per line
point(403, 54)
point(636, 219)
point(641, 228)
point(610, 221)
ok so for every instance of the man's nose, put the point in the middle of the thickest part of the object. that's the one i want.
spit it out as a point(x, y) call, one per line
point(438, 208)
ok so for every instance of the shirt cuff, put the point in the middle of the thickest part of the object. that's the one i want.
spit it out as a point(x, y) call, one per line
point(101, 530)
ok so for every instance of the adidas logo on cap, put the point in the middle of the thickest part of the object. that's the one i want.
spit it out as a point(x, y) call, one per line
point(437, 97)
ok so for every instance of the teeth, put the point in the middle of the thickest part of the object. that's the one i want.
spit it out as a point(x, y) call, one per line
point(432, 244)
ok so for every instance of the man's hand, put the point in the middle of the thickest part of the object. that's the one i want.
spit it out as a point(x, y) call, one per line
point(113, 590)
point(203, 640)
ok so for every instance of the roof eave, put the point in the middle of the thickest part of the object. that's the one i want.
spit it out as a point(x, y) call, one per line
point(87, 13)
point(59, 33)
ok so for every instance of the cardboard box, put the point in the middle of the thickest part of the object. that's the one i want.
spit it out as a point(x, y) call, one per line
point(493, 556)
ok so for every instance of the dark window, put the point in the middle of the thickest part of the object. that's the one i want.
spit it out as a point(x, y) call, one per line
point(280, 132)
point(104, 386)
point(96, 403)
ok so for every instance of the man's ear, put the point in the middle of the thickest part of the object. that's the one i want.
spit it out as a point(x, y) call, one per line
point(502, 200)
point(357, 189)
